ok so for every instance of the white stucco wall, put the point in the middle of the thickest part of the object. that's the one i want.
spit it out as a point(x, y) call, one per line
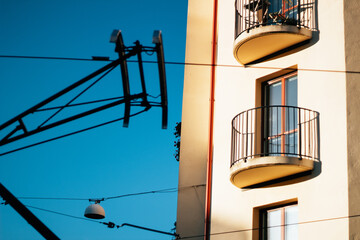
point(322, 197)
point(195, 120)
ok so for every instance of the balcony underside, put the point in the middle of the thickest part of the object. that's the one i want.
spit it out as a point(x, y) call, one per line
point(262, 41)
point(263, 169)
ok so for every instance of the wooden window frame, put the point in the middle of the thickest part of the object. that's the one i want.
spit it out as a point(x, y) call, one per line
point(283, 133)
point(263, 219)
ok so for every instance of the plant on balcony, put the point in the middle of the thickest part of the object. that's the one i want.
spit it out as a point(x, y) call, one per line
point(177, 134)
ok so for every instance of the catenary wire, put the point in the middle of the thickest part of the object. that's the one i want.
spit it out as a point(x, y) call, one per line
point(212, 234)
point(176, 63)
point(79, 104)
point(167, 62)
point(109, 224)
point(169, 190)
point(63, 214)
point(275, 226)
point(183, 63)
point(70, 134)
point(54, 198)
point(51, 58)
point(166, 190)
point(77, 96)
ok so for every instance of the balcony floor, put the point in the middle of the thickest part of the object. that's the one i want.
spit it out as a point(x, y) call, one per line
point(263, 169)
point(262, 41)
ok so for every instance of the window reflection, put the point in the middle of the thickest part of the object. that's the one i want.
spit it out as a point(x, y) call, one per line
point(280, 223)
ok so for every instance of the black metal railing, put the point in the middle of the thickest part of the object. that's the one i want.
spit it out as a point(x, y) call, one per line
point(275, 131)
point(255, 13)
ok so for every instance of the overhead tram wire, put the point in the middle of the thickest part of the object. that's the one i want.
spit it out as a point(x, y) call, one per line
point(169, 190)
point(97, 59)
point(142, 193)
point(78, 95)
point(144, 61)
point(202, 235)
point(108, 224)
point(275, 226)
point(69, 103)
point(63, 214)
point(70, 134)
point(167, 62)
point(50, 58)
point(166, 190)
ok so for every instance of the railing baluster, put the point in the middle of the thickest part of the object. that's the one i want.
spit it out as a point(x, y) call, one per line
point(251, 134)
point(312, 137)
point(234, 141)
point(277, 130)
point(251, 15)
point(287, 125)
point(237, 142)
point(295, 131)
point(246, 16)
point(309, 135)
point(298, 14)
point(242, 138)
point(316, 117)
point(247, 136)
point(300, 150)
point(305, 135)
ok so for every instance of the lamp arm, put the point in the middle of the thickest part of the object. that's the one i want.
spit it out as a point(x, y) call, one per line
point(149, 229)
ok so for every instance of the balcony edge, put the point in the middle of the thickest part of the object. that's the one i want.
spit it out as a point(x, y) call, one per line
point(262, 169)
point(265, 32)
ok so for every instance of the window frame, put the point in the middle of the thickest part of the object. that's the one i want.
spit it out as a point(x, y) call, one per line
point(263, 221)
point(266, 118)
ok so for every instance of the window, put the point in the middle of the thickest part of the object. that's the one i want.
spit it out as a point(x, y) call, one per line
point(283, 11)
point(280, 116)
point(279, 223)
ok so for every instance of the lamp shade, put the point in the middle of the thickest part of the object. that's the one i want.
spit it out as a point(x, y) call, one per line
point(94, 211)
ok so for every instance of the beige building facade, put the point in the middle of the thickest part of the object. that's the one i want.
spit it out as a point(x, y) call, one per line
point(270, 136)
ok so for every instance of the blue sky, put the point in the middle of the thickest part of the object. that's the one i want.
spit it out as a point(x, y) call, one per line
point(104, 162)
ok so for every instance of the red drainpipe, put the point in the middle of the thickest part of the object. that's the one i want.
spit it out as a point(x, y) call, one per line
point(210, 148)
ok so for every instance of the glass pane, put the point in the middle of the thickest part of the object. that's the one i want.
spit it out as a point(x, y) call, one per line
point(291, 143)
point(274, 225)
point(291, 116)
point(289, 3)
point(291, 91)
point(275, 121)
point(275, 94)
point(274, 146)
point(275, 6)
point(291, 217)
point(291, 11)
point(292, 14)
point(274, 98)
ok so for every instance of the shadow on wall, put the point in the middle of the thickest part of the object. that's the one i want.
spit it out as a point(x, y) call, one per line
point(224, 227)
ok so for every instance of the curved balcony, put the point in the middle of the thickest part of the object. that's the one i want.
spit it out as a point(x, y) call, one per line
point(264, 27)
point(272, 142)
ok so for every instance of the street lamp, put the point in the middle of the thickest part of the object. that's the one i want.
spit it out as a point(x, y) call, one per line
point(95, 211)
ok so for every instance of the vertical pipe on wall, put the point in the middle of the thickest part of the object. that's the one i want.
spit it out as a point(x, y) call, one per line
point(210, 147)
